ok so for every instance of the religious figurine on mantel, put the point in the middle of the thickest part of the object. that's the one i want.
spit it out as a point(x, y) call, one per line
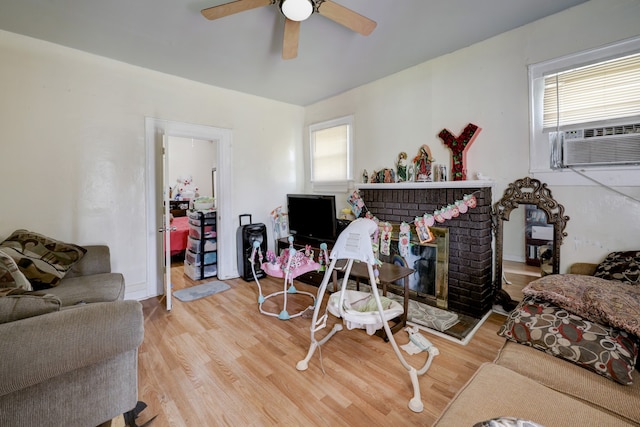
point(423, 164)
point(401, 167)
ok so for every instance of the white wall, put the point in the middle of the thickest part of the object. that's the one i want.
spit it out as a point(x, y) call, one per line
point(73, 146)
point(486, 84)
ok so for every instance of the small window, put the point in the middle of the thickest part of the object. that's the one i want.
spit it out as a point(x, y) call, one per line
point(330, 148)
point(585, 113)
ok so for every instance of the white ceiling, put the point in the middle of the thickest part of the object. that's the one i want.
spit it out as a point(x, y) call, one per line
point(243, 52)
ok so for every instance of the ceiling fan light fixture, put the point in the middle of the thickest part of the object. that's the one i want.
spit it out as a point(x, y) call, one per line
point(296, 10)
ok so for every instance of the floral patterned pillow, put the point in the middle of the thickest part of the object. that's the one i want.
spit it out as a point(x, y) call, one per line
point(622, 266)
point(609, 302)
point(605, 350)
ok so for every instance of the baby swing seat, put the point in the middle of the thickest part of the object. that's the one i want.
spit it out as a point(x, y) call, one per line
point(360, 310)
point(357, 309)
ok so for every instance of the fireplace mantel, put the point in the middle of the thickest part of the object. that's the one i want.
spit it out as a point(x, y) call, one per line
point(426, 185)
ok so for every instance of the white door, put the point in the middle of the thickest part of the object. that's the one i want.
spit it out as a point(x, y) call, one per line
point(168, 287)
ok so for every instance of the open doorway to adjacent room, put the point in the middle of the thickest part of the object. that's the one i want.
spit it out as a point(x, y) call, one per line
point(193, 165)
point(202, 153)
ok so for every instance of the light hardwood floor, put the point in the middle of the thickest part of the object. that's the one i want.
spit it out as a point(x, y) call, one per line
point(218, 362)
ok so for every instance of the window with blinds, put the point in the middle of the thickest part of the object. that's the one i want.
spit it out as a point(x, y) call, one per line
point(330, 148)
point(585, 116)
point(606, 90)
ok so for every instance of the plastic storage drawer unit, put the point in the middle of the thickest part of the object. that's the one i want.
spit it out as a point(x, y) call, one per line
point(194, 244)
point(195, 272)
point(195, 258)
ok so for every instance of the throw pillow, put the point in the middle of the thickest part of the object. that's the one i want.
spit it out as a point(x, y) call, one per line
point(10, 274)
point(605, 350)
point(609, 302)
point(622, 266)
point(17, 304)
point(507, 422)
point(43, 260)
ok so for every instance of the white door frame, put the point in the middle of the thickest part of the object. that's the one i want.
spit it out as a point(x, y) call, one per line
point(154, 130)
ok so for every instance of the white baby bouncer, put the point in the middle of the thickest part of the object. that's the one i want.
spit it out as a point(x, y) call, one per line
point(354, 244)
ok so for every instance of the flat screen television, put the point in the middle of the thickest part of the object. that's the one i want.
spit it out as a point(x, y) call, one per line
point(312, 216)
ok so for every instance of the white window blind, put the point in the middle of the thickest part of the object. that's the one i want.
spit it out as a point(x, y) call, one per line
point(330, 154)
point(330, 144)
point(603, 91)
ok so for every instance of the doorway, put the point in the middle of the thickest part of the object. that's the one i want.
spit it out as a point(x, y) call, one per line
point(155, 131)
point(191, 162)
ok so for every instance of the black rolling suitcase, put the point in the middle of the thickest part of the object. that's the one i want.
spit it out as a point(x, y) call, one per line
point(245, 236)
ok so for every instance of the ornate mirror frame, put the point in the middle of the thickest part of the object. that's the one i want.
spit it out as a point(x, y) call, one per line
point(527, 191)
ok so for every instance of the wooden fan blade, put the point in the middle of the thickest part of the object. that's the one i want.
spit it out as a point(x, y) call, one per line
point(291, 38)
point(347, 17)
point(237, 6)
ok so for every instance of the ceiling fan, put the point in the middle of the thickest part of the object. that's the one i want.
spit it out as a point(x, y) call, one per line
point(296, 11)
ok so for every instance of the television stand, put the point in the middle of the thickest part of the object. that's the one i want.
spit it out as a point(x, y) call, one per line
point(299, 242)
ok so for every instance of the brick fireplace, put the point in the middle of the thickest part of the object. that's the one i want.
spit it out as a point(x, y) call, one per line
point(470, 237)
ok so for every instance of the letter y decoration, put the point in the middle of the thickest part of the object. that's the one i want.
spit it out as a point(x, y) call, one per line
point(459, 146)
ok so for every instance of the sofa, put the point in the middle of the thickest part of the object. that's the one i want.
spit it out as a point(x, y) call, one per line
point(70, 352)
point(529, 385)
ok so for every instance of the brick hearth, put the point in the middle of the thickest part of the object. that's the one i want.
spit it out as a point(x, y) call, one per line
point(470, 238)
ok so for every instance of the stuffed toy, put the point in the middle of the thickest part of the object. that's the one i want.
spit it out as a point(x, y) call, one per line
point(185, 189)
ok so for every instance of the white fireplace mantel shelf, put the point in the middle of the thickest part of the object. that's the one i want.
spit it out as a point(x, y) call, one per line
point(426, 185)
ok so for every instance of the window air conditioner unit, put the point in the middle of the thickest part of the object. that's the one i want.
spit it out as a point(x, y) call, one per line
point(602, 146)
